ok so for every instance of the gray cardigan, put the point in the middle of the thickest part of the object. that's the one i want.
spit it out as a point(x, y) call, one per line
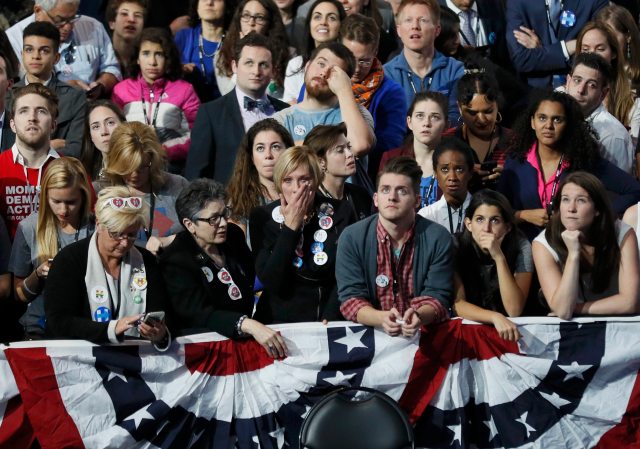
point(356, 262)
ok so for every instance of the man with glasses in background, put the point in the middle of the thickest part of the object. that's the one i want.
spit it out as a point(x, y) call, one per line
point(87, 59)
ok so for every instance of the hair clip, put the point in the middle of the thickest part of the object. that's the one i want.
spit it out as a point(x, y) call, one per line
point(480, 71)
point(132, 202)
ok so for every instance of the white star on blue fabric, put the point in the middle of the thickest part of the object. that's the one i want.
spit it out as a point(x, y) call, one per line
point(523, 420)
point(138, 417)
point(339, 378)
point(278, 435)
point(574, 370)
point(457, 433)
point(555, 399)
point(352, 340)
point(493, 430)
point(113, 375)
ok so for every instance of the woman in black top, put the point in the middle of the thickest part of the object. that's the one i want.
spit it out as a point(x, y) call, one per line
point(294, 243)
point(209, 271)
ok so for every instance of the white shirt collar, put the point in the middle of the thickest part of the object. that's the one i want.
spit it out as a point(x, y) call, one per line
point(46, 83)
point(457, 11)
point(17, 157)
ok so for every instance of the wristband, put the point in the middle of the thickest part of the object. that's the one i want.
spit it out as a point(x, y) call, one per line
point(239, 326)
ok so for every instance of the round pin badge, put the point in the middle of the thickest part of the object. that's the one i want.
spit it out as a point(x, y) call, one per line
point(320, 235)
point(99, 294)
point(325, 222)
point(382, 281)
point(568, 18)
point(139, 281)
point(326, 209)
point(137, 298)
point(299, 130)
point(234, 292)
point(297, 262)
point(102, 315)
point(317, 247)
point(225, 276)
point(320, 258)
point(208, 273)
point(277, 216)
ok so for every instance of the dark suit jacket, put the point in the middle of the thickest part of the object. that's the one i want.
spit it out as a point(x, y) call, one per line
point(8, 136)
point(215, 138)
point(538, 65)
point(492, 16)
point(72, 108)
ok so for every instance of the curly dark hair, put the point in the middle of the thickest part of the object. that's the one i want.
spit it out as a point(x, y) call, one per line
point(579, 142)
point(161, 36)
point(275, 33)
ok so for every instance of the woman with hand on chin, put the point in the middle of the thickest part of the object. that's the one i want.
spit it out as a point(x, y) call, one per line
point(100, 288)
point(64, 218)
point(294, 242)
point(588, 261)
point(494, 266)
point(137, 160)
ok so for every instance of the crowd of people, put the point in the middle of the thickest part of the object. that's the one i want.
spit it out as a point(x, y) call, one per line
point(253, 162)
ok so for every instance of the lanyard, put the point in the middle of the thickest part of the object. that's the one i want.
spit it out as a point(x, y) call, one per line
point(148, 231)
point(451, 218)
point(413, 86)
point(425, 198)
point(115, 307)
point(75, 239)
point(144, 106)
point(202, 54)
point(547, 7)
point(549, 204)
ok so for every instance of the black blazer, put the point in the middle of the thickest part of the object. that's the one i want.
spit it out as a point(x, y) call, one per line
point(215, 138)
point(8, 136)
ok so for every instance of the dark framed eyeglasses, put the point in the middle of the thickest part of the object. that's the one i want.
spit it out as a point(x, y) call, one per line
point(214, 220)
point(259, 18)
point(59, 22)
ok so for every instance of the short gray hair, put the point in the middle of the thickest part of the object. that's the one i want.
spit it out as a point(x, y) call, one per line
point(48, 5)
point(195, 197)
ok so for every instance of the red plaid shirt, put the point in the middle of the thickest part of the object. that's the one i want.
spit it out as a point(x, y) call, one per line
point(399, 291)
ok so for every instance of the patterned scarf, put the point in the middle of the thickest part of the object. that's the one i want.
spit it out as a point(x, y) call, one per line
point(363, 92)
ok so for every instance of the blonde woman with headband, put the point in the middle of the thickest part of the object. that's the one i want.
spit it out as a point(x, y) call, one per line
point(105, 289)
point(137, 160)
point(64, 218)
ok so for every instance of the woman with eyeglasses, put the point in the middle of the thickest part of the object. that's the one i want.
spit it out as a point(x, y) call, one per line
point(64, 217)
point(551, 140)
point(209, 271)
point(262, 17)
point(294, 242)
point(137, 161)
point(104, 289)
point(199, 46)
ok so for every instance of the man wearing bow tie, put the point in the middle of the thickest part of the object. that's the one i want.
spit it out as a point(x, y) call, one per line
point(220, 124)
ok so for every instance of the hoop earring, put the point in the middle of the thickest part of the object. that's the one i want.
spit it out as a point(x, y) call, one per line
point(499, 118)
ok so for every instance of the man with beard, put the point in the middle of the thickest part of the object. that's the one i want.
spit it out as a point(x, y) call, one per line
point(329, 99)
point(394, 269)
point(33, 119)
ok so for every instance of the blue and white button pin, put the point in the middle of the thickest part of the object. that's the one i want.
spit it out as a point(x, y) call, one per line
point(568, 18)
point(102, 315)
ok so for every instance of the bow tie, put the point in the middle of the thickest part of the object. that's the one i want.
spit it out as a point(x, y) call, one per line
point(250, 105)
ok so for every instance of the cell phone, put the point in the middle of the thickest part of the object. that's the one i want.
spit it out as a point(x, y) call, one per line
point(488, 165)
point(94, 92)
point(152, 318)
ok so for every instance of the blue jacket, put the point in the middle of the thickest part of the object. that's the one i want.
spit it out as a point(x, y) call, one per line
point(537, 65)
point(388, 108)
point(519, 183)
point(443, 77)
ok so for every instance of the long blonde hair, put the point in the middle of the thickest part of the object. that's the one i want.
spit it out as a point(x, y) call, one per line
point(63, 173)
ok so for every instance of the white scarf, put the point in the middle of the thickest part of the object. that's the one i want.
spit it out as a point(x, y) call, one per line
point(105, 301)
